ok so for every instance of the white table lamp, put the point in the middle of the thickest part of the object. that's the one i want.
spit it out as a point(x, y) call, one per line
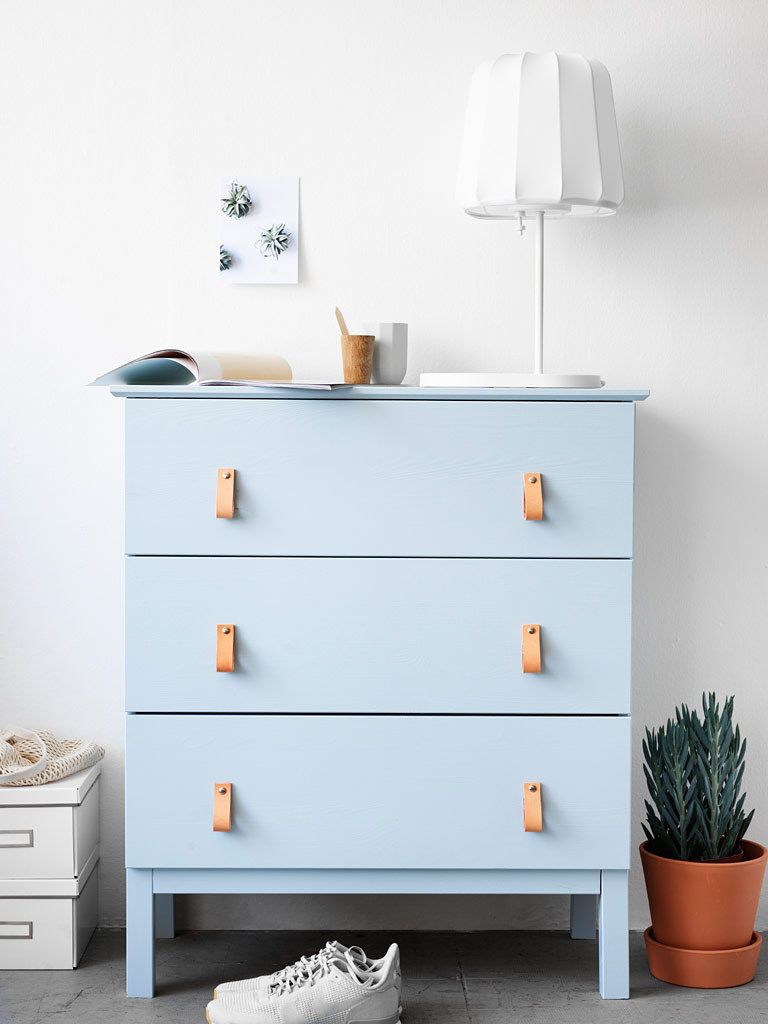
point(540, 141)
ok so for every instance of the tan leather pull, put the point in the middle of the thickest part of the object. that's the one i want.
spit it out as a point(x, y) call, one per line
point(225, 647)
point(225, 493)
point(533, 503)
point(531, 647)
point(532, 807)
point(222, 807)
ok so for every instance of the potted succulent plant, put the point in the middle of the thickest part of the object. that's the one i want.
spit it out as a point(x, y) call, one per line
point(703, 878)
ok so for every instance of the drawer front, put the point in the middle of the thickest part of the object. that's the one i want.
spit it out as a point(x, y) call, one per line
point(37, 842)
point(36, 934)
point(379, 478)
point(372, 635)
point(327, 791)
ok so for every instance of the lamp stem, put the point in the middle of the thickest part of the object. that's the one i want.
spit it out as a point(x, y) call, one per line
point(538, 356)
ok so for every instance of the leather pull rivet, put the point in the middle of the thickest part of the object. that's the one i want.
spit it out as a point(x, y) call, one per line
point(225, 629)
point(531, 479)
point(531, 789)
point(226, 474)
point(531, 629)
point(223, 789)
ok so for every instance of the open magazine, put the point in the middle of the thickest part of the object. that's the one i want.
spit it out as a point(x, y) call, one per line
point(171, 366)
point(305, 385)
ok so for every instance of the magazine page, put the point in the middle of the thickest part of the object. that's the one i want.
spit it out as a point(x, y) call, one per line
point(177, 366)
point(301, 385)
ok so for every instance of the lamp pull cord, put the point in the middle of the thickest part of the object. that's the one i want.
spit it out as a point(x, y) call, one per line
point(538, 355)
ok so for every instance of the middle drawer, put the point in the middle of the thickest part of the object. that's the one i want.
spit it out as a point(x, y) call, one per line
point(375, 635)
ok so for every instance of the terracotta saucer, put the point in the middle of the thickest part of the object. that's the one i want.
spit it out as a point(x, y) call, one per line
point(703, 968)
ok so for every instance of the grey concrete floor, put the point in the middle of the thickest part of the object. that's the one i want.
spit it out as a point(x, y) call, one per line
point(448, 978)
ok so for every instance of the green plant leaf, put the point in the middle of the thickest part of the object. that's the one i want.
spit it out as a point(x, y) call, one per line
point(694, 769)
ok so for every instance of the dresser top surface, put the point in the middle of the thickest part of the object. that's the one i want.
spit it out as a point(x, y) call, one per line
point(380, 392)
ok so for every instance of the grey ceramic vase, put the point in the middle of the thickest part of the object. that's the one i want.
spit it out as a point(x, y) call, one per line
point(390, 354)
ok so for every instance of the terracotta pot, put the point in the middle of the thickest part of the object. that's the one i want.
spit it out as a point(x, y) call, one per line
point(704, 905)
point(702, 968)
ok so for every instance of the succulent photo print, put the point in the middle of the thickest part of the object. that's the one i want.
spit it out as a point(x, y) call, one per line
point(274, 241)
point(237, 202)
point(258, 229)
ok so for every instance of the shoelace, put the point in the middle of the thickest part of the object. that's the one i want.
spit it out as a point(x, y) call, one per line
point(305, 965)
point(318, 966)
point(311, 969)
point(302, 967)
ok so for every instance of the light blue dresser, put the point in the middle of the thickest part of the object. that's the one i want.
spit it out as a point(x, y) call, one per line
point(376, 579)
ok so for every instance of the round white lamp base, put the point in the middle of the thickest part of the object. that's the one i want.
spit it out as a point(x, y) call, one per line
point(510, 380)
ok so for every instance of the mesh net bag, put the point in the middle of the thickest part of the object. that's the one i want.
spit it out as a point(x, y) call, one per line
point(29, 758)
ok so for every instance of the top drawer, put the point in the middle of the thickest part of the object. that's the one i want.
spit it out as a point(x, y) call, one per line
point(379, 477)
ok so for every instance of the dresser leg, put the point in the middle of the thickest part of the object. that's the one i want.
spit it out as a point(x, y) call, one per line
point(614, 935)
point(164, 926)
point(139, 933)
point(583, 916)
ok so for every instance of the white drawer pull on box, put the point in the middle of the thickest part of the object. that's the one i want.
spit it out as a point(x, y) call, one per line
point(222, 807)
point(531, 647)
point(225, 493)
point(15, 929)
point(533, 503)
point(225, 647)
point(16, 838)
point(532, 820)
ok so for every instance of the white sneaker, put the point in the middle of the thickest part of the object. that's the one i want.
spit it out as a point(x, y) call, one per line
point(334, 990)
point(306, 964)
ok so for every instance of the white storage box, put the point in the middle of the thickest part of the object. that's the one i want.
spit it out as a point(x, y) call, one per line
point(49, 852)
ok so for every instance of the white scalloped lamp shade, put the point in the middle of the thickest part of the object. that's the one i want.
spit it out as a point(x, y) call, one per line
point(540, 134)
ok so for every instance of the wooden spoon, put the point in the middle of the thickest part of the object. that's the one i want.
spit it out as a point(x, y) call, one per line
point(342, 322)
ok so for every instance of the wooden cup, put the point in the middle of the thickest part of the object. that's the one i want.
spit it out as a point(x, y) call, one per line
point(357, 357)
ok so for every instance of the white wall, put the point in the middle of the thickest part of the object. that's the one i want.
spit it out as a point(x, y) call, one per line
point(116, 120)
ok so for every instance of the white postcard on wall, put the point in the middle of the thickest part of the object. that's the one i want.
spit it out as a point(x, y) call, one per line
point(258, 230)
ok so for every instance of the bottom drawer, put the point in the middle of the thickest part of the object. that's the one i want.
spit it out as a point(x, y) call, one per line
point(383, 791)
point(47, 933)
